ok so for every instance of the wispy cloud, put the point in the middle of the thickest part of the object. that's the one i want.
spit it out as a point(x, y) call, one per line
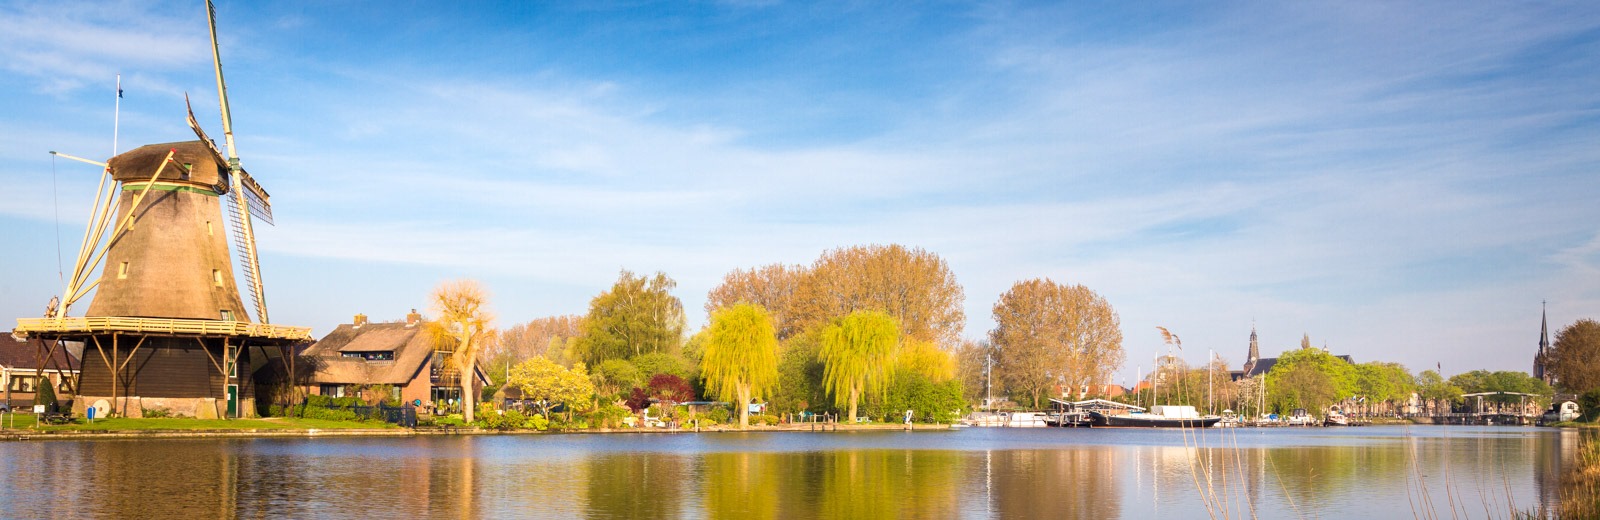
point(1343, 170)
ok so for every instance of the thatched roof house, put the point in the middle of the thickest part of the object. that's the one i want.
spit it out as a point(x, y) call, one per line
point(397, 358)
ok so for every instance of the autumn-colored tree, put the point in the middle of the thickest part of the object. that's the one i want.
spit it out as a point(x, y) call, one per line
point(972, 363)
point(549, 384)
point(858, 353)
point(462, 328)
point(914, 286)
point(544, 337)
point(771, 286)
point(638, 315)
point(741, 356)
point(1574, 360)
point(1049, 334)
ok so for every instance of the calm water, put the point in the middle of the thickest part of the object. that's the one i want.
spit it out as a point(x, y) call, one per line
point(1372, 472)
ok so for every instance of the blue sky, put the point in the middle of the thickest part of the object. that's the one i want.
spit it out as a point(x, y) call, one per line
point(1403, 182)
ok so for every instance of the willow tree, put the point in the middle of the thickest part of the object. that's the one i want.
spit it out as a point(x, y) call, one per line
point(858, 354)
point(463, 329)
point(741, 356)
point(1048, 334)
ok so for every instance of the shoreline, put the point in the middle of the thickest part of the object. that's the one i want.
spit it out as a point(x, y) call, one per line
point(23, 435)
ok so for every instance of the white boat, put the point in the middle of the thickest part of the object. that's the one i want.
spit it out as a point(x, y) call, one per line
point(1024, 419)
point(984, 419)
point(1336, 417)
point(1299, 417)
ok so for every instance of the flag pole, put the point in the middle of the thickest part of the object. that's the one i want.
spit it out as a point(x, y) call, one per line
point(116, 117)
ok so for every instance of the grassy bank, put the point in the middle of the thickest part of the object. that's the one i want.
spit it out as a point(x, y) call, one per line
point(26, 422)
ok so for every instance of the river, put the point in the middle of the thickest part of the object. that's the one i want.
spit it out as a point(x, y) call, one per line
point(1365, 472)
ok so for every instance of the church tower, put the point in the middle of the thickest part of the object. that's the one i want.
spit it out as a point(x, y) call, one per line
point(1542, 358)
point(1255, 352)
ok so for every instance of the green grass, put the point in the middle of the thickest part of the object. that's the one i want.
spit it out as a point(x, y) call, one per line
point(24, 421)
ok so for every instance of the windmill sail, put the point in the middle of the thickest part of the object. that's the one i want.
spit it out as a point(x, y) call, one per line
point(241, 183)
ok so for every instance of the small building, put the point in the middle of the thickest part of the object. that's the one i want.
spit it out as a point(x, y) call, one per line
point(383, 361)
point(24, 366)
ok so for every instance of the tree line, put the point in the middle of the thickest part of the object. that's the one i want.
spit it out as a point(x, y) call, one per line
point(876, 330)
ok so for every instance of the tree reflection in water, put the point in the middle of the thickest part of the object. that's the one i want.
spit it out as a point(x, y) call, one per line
point(1375, 471)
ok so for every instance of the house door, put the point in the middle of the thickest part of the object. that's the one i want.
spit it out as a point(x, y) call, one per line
point(233, 401)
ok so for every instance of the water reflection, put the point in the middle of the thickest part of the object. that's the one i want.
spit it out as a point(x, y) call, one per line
point(969, 474)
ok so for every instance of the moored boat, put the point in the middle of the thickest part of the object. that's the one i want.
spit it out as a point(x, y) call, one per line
point(1336, 417)
point(1159, 417)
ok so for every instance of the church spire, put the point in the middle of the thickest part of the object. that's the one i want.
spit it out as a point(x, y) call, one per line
point(1540, 359)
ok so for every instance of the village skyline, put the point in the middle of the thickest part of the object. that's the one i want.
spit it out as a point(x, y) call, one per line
point(1398, 195)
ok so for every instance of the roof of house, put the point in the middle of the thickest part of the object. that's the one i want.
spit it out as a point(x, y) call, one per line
point(411, 344)
point(25, 354)
point(412, 349)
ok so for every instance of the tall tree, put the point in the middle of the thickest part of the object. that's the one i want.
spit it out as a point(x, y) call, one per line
point(771, 286)
point(534, 338)
point(1575, 358)
point(858, 353)
point(1309, 378)
point(1049, 334)
point(462, 328)
point(914, 286)
point(741, 356)
point(972, 364)
point(637, 316)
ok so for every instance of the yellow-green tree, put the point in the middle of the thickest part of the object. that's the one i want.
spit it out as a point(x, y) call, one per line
point(926, 358)
point(858, 354)
point(463, 329)
point(741, 356)
point(544, 381)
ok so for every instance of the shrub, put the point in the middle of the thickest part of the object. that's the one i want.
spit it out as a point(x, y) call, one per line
point(454, 419)
point(608, 416)
point(718, 415)
point(45, 395)
point(155, 413)
point(536, 422)
point(764, 420)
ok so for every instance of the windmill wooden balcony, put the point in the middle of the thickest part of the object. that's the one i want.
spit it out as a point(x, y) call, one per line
point(94, 325)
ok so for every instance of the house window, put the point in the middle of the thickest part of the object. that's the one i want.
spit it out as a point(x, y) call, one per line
point(122, 271)
point(21, 383)
point(216, 277)
point(333, 390)
point(227, 315)
point(65, 386)
point(209, 232)
point(382, 355)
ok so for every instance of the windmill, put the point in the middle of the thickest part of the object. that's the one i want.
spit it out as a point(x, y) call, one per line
point(168, 285)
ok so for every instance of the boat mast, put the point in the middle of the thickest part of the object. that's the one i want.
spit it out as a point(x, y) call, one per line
point(988, 381)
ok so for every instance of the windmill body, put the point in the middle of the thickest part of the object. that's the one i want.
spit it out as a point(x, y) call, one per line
point(174, 261)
